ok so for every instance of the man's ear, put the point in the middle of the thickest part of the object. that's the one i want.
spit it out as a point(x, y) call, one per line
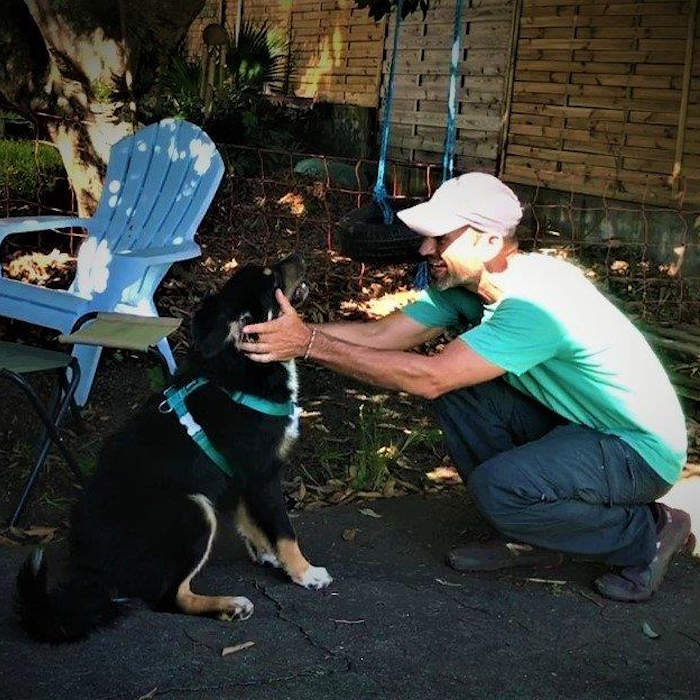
point(495, 244)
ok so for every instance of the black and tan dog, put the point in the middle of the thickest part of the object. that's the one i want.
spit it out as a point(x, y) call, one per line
point(145, 525)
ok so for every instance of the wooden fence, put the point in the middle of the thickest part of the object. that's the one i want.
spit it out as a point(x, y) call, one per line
point(606, 99)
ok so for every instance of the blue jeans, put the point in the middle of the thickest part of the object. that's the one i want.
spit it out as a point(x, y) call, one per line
point(545, 481)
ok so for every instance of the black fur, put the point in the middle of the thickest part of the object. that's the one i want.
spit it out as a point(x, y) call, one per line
point(135, 532)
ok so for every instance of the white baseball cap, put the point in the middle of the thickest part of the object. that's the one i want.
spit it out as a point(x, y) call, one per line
point(479, 200)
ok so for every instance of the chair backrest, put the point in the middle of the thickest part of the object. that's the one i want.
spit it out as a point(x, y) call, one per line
point(159, 184)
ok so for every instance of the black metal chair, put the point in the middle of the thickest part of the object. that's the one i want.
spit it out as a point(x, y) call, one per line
point(17, 360)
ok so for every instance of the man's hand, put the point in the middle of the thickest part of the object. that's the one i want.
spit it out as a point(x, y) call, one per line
point(283, 339)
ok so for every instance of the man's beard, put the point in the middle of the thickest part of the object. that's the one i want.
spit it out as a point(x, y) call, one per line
point(446, 281)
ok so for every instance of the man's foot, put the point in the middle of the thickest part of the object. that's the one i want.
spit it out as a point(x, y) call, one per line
point(490, 556)
point(637, 583)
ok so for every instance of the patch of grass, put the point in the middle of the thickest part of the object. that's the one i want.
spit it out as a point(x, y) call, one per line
point(87, 464)
point(28, 166)
point(369, 467)
point(156, 379)
point(424, 437)
point(329, 456)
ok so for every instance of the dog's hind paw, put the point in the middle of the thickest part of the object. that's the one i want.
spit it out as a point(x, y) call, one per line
point(315, 577)
point(237, 608)
point(260, 556)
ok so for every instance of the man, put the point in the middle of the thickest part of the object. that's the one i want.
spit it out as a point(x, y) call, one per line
point(557, 414)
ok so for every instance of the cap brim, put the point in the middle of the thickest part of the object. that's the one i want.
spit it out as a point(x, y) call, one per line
point(427, 220)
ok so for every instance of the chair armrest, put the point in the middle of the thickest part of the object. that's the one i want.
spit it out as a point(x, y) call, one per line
point(23, 224)
point(159, 256)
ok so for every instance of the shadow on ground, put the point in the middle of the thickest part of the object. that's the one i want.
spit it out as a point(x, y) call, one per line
point(395, 623)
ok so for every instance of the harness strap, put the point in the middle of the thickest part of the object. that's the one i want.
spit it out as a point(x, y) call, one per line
point(175, 401)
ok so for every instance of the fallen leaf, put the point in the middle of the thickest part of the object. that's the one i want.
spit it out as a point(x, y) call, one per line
point(350, 533)
point(348, 622)
point(442, 582)
point(648, 631)
point(444, 475)
point(236, 648)
point(149, 694)
point(371, 513)
point(389, 488)
point(41, 533)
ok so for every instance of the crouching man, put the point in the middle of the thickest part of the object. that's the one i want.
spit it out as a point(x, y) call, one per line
point(556, 412)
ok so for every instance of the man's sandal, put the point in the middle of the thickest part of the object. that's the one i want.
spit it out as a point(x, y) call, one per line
point(491, 556)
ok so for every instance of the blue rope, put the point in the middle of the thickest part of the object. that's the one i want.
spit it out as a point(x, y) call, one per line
point(422, 279)
point(448, 156)
point(381, 196)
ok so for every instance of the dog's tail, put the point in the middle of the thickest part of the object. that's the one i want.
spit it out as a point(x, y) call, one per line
point(67, 613)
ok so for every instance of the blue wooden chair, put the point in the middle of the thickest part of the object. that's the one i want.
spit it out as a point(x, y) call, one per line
point(158, 186)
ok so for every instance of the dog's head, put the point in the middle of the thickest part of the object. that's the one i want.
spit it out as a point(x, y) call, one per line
point(248, 297)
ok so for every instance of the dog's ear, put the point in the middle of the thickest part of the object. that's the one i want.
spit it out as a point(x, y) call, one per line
point(213, 328)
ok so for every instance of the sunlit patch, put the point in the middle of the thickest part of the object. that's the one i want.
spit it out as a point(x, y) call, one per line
point(93, 267)
point(172, 150)
point(112, 201)
point(178, 240)
point(40, 268)
point(141, 145)
point(295, 202)
point(203, 153)
point(115, 186)
point(382, 306)
point(187, 191)
point(267, 271)
point(157, 149)
point(444, 475)
point(182, 154)
point(128, 211)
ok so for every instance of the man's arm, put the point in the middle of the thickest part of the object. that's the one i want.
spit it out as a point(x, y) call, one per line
point(455, 367)
point(288, 337)
point(393, 332)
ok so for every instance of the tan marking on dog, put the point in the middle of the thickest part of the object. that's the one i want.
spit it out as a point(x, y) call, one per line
point(253, 536)
point(249, 530)
point(292, 560)
point(191, 603)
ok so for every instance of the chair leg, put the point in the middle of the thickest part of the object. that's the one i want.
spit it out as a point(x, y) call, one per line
point(52, 419)
point(167, 354)
point(88, 357)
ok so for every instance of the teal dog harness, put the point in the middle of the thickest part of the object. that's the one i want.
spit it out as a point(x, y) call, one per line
point(175, 402)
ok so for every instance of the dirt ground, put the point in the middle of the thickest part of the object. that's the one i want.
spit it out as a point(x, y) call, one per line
point(357, 443)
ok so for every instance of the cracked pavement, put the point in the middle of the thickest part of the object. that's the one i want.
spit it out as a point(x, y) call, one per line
point(396, 622)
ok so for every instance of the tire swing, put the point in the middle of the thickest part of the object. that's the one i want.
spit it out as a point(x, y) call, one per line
point(373, 233)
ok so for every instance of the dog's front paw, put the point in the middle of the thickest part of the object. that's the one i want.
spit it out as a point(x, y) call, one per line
point(237, 608)
point(315, 577)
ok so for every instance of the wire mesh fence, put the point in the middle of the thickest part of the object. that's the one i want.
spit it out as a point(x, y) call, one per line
point(644, 255)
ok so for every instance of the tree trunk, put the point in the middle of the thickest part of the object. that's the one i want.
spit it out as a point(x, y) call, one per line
point(86, 68)
point(67, 66)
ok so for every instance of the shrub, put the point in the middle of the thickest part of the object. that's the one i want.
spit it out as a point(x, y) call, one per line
point(28, 167)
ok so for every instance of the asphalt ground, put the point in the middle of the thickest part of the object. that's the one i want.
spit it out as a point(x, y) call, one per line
point(396, 622)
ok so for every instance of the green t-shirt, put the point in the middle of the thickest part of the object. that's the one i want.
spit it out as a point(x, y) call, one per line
point(563, 343)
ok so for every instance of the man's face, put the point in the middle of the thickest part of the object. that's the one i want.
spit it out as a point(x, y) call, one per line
point(458, 258)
